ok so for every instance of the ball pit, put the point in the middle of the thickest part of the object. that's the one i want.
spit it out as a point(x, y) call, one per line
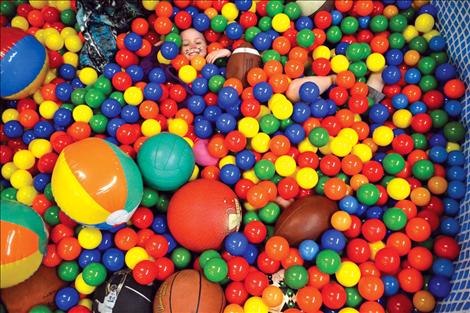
point(323, 139)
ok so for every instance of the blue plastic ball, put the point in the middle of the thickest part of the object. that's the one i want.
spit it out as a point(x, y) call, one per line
point(341, 48)
point(133, 41)
point(319, 108)
point(110, 70)
point(455, 173)
point(234, 31)
point(295, 133)
point(301, 112)
point(40, 181)
point(28, 136)
point(262, 41)
point(443, 267)
point(211, 113)
point(349, 204)
point(172, 244)
point(200, 86)
point(67, 71)
point(417, 107)
point(391, 285)
point(456, 158)
point(230, 174)
point(153, 91)
point(262, 91)
point(226, 123)
point(157, 75)
point(203, 128)
point(110, 108)
point(63, 91)
point(43, 129)
point(227, 97)
point(66, 298)
point(201, 22)
point(453, 108)
point(309, 92)
point(169, 50)
point(209, 70)
point(451, 206)
point(439, 286)
point(245, 160)
point(13, 129)
point(303, 22)
point(251, 253)
point(449, 226)
point(336, 17)
point(130, 114)
point(159, 224)
point(107, 241)
point(399, 101)
point(113, 259)
point(412, 76)
point(113, 126)
point(243, 5)
point(378, 113)
point(456, 189)
point(89, 256)
point(236, 243)
point(333, 240)
point(445, 72)
point(394, 57)
point(136, 73)
point(391, 75)
point(437, 43)
point(308, 250)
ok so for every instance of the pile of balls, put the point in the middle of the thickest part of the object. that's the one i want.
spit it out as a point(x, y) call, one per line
point(130, 176)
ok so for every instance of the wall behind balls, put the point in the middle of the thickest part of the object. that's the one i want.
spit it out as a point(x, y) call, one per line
point(453, 24)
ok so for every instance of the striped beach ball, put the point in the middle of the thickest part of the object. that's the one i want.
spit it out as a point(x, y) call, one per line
point(23, 241)
point(95, 183)
point(23, 63)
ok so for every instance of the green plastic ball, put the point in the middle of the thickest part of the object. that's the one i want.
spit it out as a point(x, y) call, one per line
point(427, 82)
point(395, 219)
point(368, 194)
point(162, 203)
point(454, 131)
point(250, 217)
point(320, 187)
point(94, 98)
point(328, 261)
point(334, 34)
point(393, 163)
point(398, 23)
point(319, 137)
point(396, 41)
point(206, 256)
point(149, 198)
point(7, 8)
point(264, 169)
point(354, 52)
point(286, 123)
point(68, 17)
point(78, 96)
point(419, 141)
point(181, 257)
point(104, 85)
point(305, 38)
point(175, 38)
point(94, 274)
point(269, 124)
point(218, 23)
point(68, 271)
point(9, 194)
point(216, 270)
point(440, 57)
point(269, 55)
point(439, 118)
point(292, 10)
point(419, 44)
point(265, 23)
point(423, 169)
point(274, 7)
point(40, 309)
point(48, 192)
point(119, 97)
point(269, 213)
point(251, 33)
point(353, 297)
point(349, 25)
point(427, 65)
point(378, 23)
point(98, 123)
point(359, 69)
point(296, 277)
point(216, 82)
point(51, 216)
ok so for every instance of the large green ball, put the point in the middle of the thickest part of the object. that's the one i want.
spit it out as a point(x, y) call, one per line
point(166, 161)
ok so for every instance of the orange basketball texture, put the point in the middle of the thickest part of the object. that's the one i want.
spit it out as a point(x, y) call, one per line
point(190, 292)
point(306, 218)
point(241, 61)
point(202, 213)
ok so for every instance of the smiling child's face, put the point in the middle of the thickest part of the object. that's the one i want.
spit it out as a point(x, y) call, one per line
point(194, 44)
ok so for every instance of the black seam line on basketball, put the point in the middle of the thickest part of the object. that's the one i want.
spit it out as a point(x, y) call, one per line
point(139, 293)
point(171, 289)
point(199, 292)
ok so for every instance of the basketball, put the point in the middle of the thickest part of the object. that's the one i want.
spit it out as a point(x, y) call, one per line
point(101, 189)
point(306, 218)
point(166, 161)
point(38, 289)
point(241, 61)
point(189, 291)
point(122, 294)
point(202, 213)
point(23, 240)
point(21, 51)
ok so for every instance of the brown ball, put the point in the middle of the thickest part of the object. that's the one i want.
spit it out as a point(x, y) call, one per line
point(38, 289)
point(189, 291)
point(306, 218)
point(244, 58)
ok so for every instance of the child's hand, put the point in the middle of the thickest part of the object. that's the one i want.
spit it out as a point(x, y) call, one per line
point(217, 54)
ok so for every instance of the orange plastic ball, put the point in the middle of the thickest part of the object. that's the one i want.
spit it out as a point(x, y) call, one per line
point(420, 196)
point(371, 288)
point(309, 299)
point(294, 68)
point(411, 57)
point(279, 145)
point(335, 189)
point(272, 296)
point(418, 229)
point(279, 83)
point(272, 67)
point(345, 79)
point(256, 75)
point(282, 45)
point(277, 248)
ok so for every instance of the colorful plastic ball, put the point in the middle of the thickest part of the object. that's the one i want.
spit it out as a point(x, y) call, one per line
point(348, 274)
point(87, 181)
point(296, 277)
point(398, 189)
point(308, 250)
point(66, 298)
point(88, 76)
point(113, 259)
point(23, 254)
point(21, 51)
point(328, 261)
point(169, 147)
point(89, 238)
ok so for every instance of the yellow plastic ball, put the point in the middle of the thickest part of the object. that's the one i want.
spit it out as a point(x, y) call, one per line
point(50, 75)
point(67, 31)
point(39, 147)
point(383, 136)
point(71, 58)
point(150, 5)
point(178, 126)
point(430, 35)
point(54, 42)
point(340, 146)
point(230, 11)
point(187, 74)
point(349, 134)
point(26, 195)
point(375, 62)
point(398, 188)
point(82, 113)
point(307, 178)
point(38, 4)
point(24, 159)
point(48, 108)
point(282, 110)
point(82, 287)
point(402, 118)
point(39, 35)
point(133, 95)
point(86, 303)
point(21, 178)
point(277, 97)
point(189, 141)
point(321, 52)
point(134, 256)
point(20, 22)
point(424, 23)
point(195, 173)
point(362, 151)
point(255, 305)
point(88, 76)
point(73, 43)
point(306, 145)
point(8, 169)
point(251, 176)
point(9, 115)
point(339, 63)
point(211, 12)
point(348, 310)
point(375, 247)
point(161, 59)
point(326, 149)
point(452, 146)
point(89, 238)
point(233, 308)
point(341, 220)
point(260, 142)
point(228, 159)
point(348, 274)
point(61, 5)
point(248, 126)
point(410, 32)
point(285, 165)
point(150, 127)
point(263, 110)
point(280, 22)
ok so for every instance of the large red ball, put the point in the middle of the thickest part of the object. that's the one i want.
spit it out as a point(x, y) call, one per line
point(202, 213)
